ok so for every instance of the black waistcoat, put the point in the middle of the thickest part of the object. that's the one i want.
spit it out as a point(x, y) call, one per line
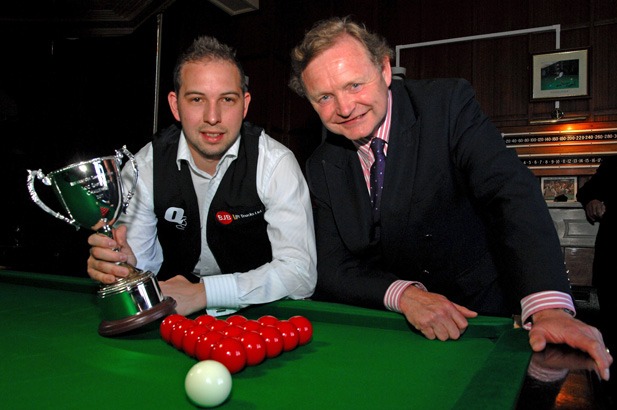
point(236, 229)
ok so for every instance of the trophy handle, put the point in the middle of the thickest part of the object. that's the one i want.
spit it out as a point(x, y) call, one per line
point(131, 191)
point(32, 175)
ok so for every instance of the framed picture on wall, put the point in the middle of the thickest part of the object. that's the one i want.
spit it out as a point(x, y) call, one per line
point(559, 189)
point(560, 75)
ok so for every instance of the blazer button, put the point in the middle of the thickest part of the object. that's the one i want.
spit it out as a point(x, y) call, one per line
point(428, 237)
point(425, 272)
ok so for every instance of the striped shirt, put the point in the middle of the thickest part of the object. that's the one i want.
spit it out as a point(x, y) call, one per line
point(363, 145)
point(529, 304)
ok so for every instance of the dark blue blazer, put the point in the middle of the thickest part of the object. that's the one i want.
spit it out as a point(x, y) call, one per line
point(460, 212)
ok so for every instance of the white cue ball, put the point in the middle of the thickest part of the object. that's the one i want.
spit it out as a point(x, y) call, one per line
point(208, 383)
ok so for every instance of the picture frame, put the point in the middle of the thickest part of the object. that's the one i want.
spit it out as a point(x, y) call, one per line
point(560, 75)
point(559, 189)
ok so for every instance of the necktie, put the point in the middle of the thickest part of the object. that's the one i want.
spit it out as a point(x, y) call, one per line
point(377, 173)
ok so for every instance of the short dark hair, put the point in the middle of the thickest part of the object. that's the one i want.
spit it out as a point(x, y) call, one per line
point(207, 48)
point(323, 35)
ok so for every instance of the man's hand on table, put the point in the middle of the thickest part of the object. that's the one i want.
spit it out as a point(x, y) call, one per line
point(559, 327)
point(433, 314)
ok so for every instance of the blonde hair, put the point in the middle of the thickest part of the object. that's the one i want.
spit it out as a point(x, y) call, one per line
point(324, 35)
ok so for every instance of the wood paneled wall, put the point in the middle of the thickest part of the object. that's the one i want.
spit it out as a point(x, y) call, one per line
point(499, 68)
point(97, 94)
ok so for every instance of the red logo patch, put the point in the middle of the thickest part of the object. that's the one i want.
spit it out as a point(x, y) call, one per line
point(224, 217)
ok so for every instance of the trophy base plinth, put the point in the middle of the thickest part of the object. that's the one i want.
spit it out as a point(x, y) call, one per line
point(109, 328)
point(131, 303)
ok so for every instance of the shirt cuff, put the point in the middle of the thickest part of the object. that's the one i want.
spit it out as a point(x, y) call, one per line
point(392, 298)
point(545, 300)
point(221, 292)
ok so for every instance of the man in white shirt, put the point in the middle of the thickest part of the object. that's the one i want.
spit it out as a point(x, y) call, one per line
point(221, 211)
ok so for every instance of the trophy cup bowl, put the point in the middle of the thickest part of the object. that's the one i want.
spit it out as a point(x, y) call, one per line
point(91, 193)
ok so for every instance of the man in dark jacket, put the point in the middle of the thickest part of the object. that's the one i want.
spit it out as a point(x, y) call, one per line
point(454, 226)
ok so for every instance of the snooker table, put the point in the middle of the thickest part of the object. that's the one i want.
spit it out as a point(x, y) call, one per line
point(358, 358)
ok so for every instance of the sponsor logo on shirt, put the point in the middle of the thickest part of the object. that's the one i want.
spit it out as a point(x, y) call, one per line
point(176, 215)
point(226, 218)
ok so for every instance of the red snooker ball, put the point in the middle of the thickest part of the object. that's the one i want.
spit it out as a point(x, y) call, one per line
point(230, 352)
point(204, 344)
point(274, 341)
point(218, 325)
point(252, 325)
point(305, 329)
point(189, 342)
point(233, 331)
point(178, 331)
point(236, 320)
point(167, 324)
point(268, 320)
point(255, 347)
point(290, 335)
point(205, 320)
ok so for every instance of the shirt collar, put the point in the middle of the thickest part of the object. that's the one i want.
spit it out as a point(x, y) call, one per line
point(184, 154)
point(382, 132)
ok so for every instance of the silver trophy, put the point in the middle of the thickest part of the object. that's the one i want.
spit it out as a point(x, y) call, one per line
point(91, 193)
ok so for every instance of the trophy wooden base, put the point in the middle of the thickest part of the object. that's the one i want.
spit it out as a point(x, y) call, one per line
point(109, 328)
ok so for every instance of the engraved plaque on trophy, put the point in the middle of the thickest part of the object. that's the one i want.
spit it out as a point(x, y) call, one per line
point(92, 194)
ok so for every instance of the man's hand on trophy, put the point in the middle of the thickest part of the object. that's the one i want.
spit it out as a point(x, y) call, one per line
point(109, 257)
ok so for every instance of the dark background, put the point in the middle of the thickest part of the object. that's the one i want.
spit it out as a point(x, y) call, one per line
point(78, 81)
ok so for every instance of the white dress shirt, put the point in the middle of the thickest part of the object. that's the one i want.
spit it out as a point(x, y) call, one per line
point(282, 189)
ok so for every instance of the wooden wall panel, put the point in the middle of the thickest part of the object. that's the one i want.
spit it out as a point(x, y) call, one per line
point(604, 10)
point(489, 16)
point(498, 66)
point(113, 86)
point(439, 61)
point(565, 12)
point(604, 69)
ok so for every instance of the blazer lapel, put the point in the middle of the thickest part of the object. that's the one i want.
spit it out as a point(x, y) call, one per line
point(402, 160)
point(350, 201)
